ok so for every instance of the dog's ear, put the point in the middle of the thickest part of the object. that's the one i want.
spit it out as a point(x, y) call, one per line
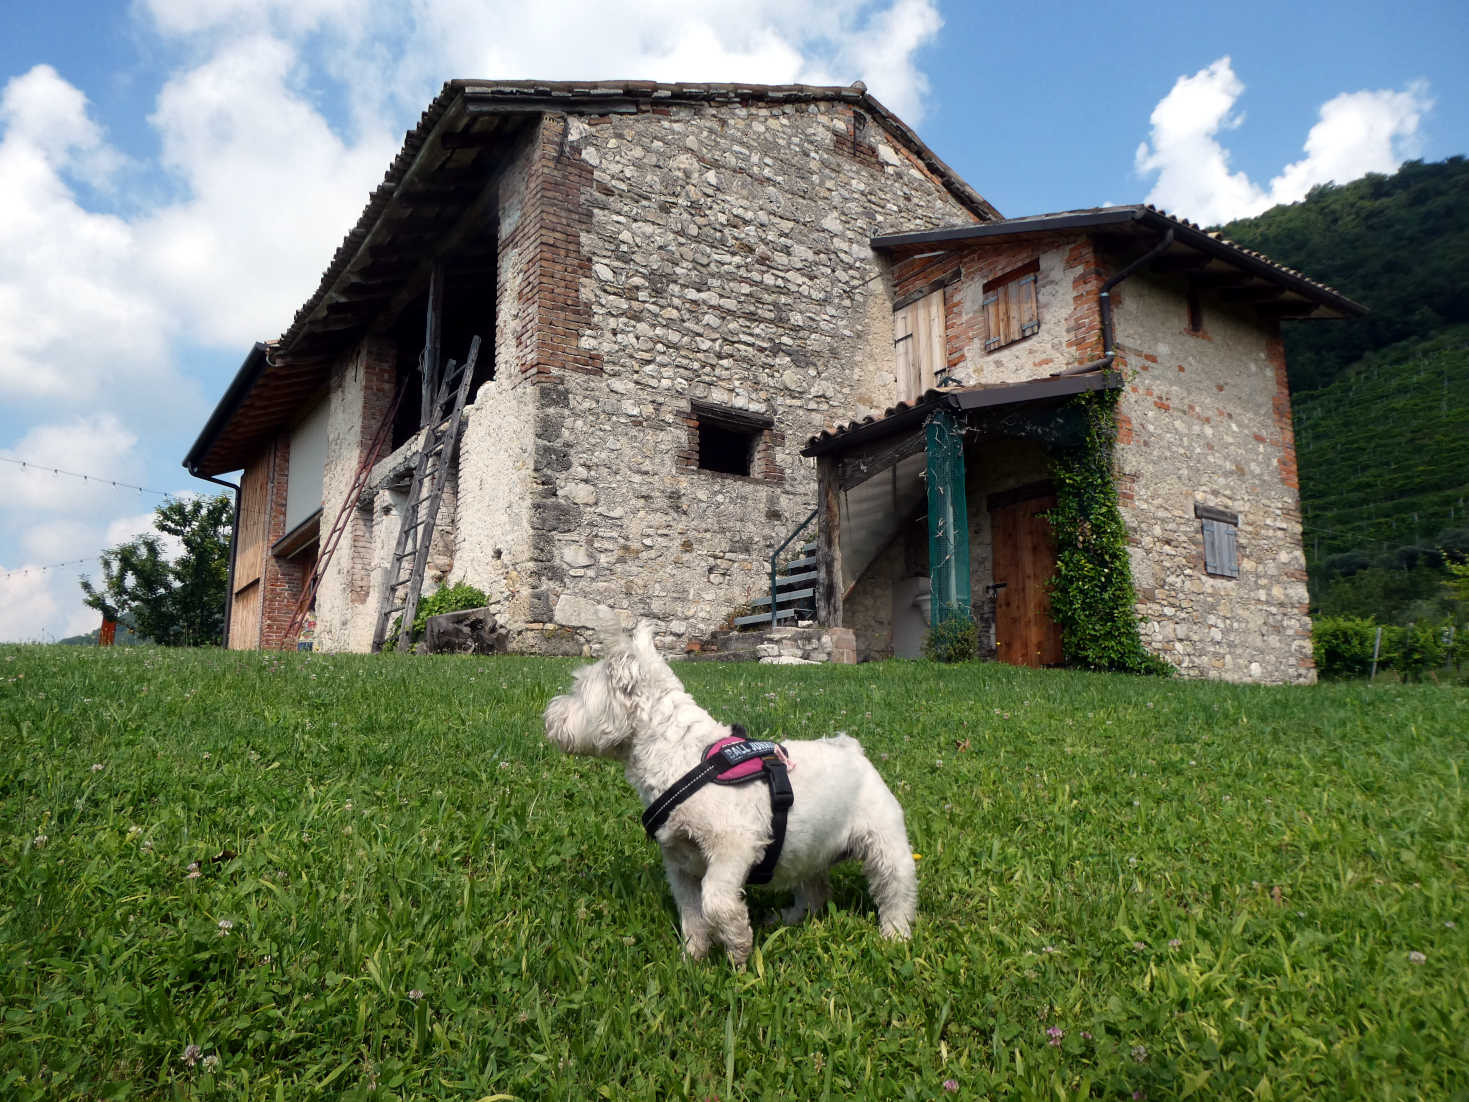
point(623, 670)
point(642, 638)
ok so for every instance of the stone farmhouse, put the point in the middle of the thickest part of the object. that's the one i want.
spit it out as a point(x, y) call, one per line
point(706, 309)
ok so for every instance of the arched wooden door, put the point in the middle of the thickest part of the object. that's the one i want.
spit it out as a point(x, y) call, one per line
point(1024, 561)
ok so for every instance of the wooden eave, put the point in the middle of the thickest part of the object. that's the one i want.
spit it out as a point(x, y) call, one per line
point(849, 438)
point(1205, 259)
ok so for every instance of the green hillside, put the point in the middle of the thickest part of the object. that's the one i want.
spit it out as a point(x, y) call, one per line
point(1381, 403)
point(1397, 244)
point(1384, 450)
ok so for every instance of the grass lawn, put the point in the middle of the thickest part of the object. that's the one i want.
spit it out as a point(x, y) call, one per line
point(289, 876)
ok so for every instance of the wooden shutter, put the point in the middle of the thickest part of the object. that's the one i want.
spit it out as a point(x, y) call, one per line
point(1221, 555)
point(1009, 303)
point(905, 356)
point(929, 339)
point(920, 345)
point(1026, 313)
point(250, 536)
point(993, 334)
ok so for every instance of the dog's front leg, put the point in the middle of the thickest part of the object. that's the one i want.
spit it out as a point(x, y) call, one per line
point(691, 920)
point(723, 894)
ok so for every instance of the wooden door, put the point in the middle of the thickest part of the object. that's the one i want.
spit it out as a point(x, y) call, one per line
point(1025, 559)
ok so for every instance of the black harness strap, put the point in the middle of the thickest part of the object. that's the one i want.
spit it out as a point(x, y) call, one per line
point(726, 758)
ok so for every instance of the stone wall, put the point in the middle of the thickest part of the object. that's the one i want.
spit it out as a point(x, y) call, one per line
point(1205, 418)
point(722, 257)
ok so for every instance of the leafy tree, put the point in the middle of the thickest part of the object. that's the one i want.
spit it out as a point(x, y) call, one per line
point(1398, 244)
point(178, 602)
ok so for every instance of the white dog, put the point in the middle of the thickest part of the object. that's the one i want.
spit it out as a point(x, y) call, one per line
point(630, 706)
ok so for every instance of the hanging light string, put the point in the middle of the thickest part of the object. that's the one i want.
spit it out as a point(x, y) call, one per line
point(24, 570)
point(41, 468)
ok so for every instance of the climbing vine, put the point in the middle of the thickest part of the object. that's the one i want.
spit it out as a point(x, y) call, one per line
point(1092, 598)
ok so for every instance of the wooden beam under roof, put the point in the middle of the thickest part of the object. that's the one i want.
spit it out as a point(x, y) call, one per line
point(1190, 262)
point(1229, 277)
point(473, 217)
point(1251, 292)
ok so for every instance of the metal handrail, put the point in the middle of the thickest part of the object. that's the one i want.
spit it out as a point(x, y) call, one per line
point(776, 554)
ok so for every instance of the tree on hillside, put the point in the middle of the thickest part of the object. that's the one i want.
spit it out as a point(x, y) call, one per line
point(178, 601)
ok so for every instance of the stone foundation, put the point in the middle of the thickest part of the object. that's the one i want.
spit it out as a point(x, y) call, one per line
point(782, 646)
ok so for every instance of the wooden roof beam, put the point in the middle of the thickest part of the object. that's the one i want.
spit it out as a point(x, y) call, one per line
point(1251, 292)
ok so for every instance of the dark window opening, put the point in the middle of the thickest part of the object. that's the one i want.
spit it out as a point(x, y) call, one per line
point(467, 311)
point(408, 339)
point(726, 450)
point(727, 441)
point(1195, 311)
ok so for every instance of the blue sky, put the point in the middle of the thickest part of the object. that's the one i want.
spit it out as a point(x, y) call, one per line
point(175, 174)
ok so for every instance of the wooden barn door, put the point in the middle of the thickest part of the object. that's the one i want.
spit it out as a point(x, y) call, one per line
point(1025, 559)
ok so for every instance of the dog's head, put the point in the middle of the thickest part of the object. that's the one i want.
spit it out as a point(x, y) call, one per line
point(599, 716)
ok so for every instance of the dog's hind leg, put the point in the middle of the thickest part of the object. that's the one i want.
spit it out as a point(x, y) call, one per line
point(892, 879)
point(692, 923)
point(810, 898)
point(724, 904)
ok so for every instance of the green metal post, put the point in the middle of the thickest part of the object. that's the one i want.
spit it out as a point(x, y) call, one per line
point(948, 518)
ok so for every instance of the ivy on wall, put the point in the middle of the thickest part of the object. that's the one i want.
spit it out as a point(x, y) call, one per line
point(1092, 597)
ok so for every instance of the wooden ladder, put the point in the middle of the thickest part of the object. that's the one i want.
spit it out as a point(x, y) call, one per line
point(416, 526)
point(344, 515)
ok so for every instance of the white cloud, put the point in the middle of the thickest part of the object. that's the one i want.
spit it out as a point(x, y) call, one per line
point(30, 611)
point(1358, 132)
point(93, 445)
point(123, 529)
point(271, 192)
point(72, 313)
point(65, 539)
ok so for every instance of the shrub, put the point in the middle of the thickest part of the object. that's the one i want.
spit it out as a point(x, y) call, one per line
point(449, 598)
point(952, 638)
point(1343, 645)
point(1419, 650)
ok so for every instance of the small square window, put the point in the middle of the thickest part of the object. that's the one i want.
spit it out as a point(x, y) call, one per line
point(1221, 544)
point(1010, 310)
point(726, 441)
point(726, 449)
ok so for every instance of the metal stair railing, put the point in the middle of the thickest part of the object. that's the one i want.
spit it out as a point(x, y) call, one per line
point(781, 582)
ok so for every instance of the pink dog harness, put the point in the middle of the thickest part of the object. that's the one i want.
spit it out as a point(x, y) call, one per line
point(736, 759)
